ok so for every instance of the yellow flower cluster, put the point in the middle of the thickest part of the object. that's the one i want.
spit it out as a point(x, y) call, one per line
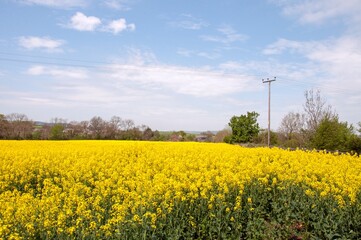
point(90, 188)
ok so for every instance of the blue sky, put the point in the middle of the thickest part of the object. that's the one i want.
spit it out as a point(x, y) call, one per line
point(177, 65)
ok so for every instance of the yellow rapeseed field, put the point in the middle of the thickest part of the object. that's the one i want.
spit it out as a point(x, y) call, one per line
point(92, 189)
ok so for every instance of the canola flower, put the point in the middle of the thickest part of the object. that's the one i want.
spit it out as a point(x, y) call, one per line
point(101, 189)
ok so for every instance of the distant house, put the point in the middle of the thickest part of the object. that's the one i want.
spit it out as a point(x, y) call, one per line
point(176, 137)
point(201, 138)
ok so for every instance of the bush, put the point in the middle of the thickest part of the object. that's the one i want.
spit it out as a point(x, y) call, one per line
point(354, 144)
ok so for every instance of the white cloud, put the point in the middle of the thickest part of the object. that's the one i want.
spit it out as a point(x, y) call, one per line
point(82, 22)
point(227, 35)
point(57, 3)
point(182, 80)
point(333, 66)
point(160, 95)
point(117, 26)
point(320, 11)
point(341, 60)
point(198, 82)
point(69, 72)
point(46, 43)
point(336, 58)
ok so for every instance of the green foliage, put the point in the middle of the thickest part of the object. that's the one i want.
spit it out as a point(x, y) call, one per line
point(227, 139)
point(244, 127)
point(36, 135)
point(262, 138)
point(331, 135)
point(354, 144)
point(4, 125)
point(291, 143)
point(190, 137)
point(56, 132)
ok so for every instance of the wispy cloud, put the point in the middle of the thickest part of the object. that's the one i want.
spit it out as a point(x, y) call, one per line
point(332, 65)
point(227, 35)
point(338, 58)
point(192, 53)
point(117, 4)
point(58, 72)
point(182, 80)
point(190, 22)
point(185, 52)
point(82, 22)
point(142, 87)
point(284, 45)
point(143, 71)
point(321, 11)
point(45, 43)
point(57, 3)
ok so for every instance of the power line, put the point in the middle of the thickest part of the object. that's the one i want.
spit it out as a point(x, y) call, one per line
point(114, 65)
point(52, 58)
point(46, 63)
point(293, 83)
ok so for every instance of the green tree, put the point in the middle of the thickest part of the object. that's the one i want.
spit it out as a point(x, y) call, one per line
point(331, 134)
point(262, 138)
point(56, 132)
point(244, 128)
point(354, 144)
point(4, 126)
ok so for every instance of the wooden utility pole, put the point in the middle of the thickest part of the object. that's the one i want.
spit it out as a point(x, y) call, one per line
point(269, 108)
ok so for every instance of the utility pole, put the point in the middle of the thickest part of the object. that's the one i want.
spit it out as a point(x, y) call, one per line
point(269, 108)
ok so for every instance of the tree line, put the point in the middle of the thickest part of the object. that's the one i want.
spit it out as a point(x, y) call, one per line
point(17, 126)
point(317, 127)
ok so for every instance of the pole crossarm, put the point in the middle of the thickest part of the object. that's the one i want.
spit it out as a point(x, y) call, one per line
point(269, 108)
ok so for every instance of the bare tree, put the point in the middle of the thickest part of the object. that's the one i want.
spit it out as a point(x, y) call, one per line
point(97, 127)
point(116, 122)
point(112, 128)
point(220, 135)
point(72, 130)
point(79, 130)
point(292, 123)
point(316, 109)
point(44, 131)
point(128, 124)
point(57, 120)
point(20, 126)
point(147, 133)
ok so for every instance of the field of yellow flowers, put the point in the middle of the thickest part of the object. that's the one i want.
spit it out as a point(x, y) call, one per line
point(164, 190)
